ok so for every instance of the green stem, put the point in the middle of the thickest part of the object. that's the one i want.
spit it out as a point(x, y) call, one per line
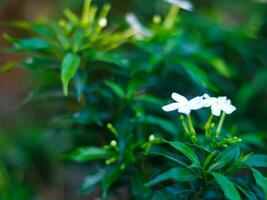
point(184, 125)
point(208, 123)
point(208, 126)
point(171, 17)
point(191, 127)
point(219, 128)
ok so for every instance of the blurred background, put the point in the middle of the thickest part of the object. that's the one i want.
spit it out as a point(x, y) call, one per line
point(30, 150)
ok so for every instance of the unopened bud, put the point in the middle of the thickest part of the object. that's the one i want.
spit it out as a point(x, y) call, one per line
point(113, 143)
point(103, 22)
point(151, 138)
point(156, 19)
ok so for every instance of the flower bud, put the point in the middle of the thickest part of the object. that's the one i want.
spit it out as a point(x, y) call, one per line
point(103, 22)
point(151, 138)
point(156, 19)
point(113, 143)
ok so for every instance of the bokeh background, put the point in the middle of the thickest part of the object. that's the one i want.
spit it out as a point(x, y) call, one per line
point(30, 150)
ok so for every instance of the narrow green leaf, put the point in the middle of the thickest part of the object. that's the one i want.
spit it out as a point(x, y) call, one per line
point(8, 67)
point(247, 192)
point(91, 181)
point(187, 151)
point(84, 154)
point(86, 12)
point(260, 180)
point(227, 187)
point(116, 88)
point(257, 160)
point(70, 64)
point(177, 174)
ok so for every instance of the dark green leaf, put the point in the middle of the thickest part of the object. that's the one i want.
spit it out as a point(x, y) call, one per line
point(177, 174)
point(227, 187)
point(187, 151)
point(260, 180)
point(70, 64)
point(257, 160)
point(91, 181)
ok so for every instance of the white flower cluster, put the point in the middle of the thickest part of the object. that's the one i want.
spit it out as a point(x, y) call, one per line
point(185, 106)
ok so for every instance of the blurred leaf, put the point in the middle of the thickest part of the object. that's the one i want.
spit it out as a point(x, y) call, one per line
point(247, 192)
point(260, 180)
point(177, 174)
point(111, 58)
point(257, 160)
point(116, 88)
point(91, 181)
point(220, 67)
point(85, 154)
point(251, 89)
point(110, 177)
point(8, 67)
point(33, 44)
point(227, 186)
point(164, 124)
point(70, 64)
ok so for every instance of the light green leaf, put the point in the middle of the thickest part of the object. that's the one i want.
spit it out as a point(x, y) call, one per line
point(84, 154)
point(70, 64)
point(177, 174)
point(227, 187)
point(260, 180)
point(187, 151)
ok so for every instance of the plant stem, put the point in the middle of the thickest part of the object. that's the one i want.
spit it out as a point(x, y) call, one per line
point(191, 127)
point(219, 128)
point(171, 17)
point(208, 126)
point(184, 125)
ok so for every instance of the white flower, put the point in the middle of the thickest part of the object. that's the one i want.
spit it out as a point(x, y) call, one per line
point(182, 105)
point(103, 22)
point(183, 4)
point(218, 105)
point(140, 30)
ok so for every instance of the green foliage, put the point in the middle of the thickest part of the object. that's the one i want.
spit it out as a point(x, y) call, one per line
point(117, 82)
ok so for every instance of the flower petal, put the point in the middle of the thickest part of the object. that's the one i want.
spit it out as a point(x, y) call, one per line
point(186, 5)
point(184, 110)
point(216, 110)
point(228, 108)
point(196, 103)
point(179, 98)
point(171, 107)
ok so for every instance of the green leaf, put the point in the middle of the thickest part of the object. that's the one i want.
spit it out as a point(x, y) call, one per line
point(8, 67)
point(177, 174)
point(111, 175)
point(187, 151)
point(227, 187)
point(208, 159)
point(70, 64)
point(247, 192)
point(257, 160)
point(91, 181)
point(225, 158)
point(116, 88)
point(33, 44)
point(162, 123)
point(220, 67)
point(85, 154)
point(260, 180)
